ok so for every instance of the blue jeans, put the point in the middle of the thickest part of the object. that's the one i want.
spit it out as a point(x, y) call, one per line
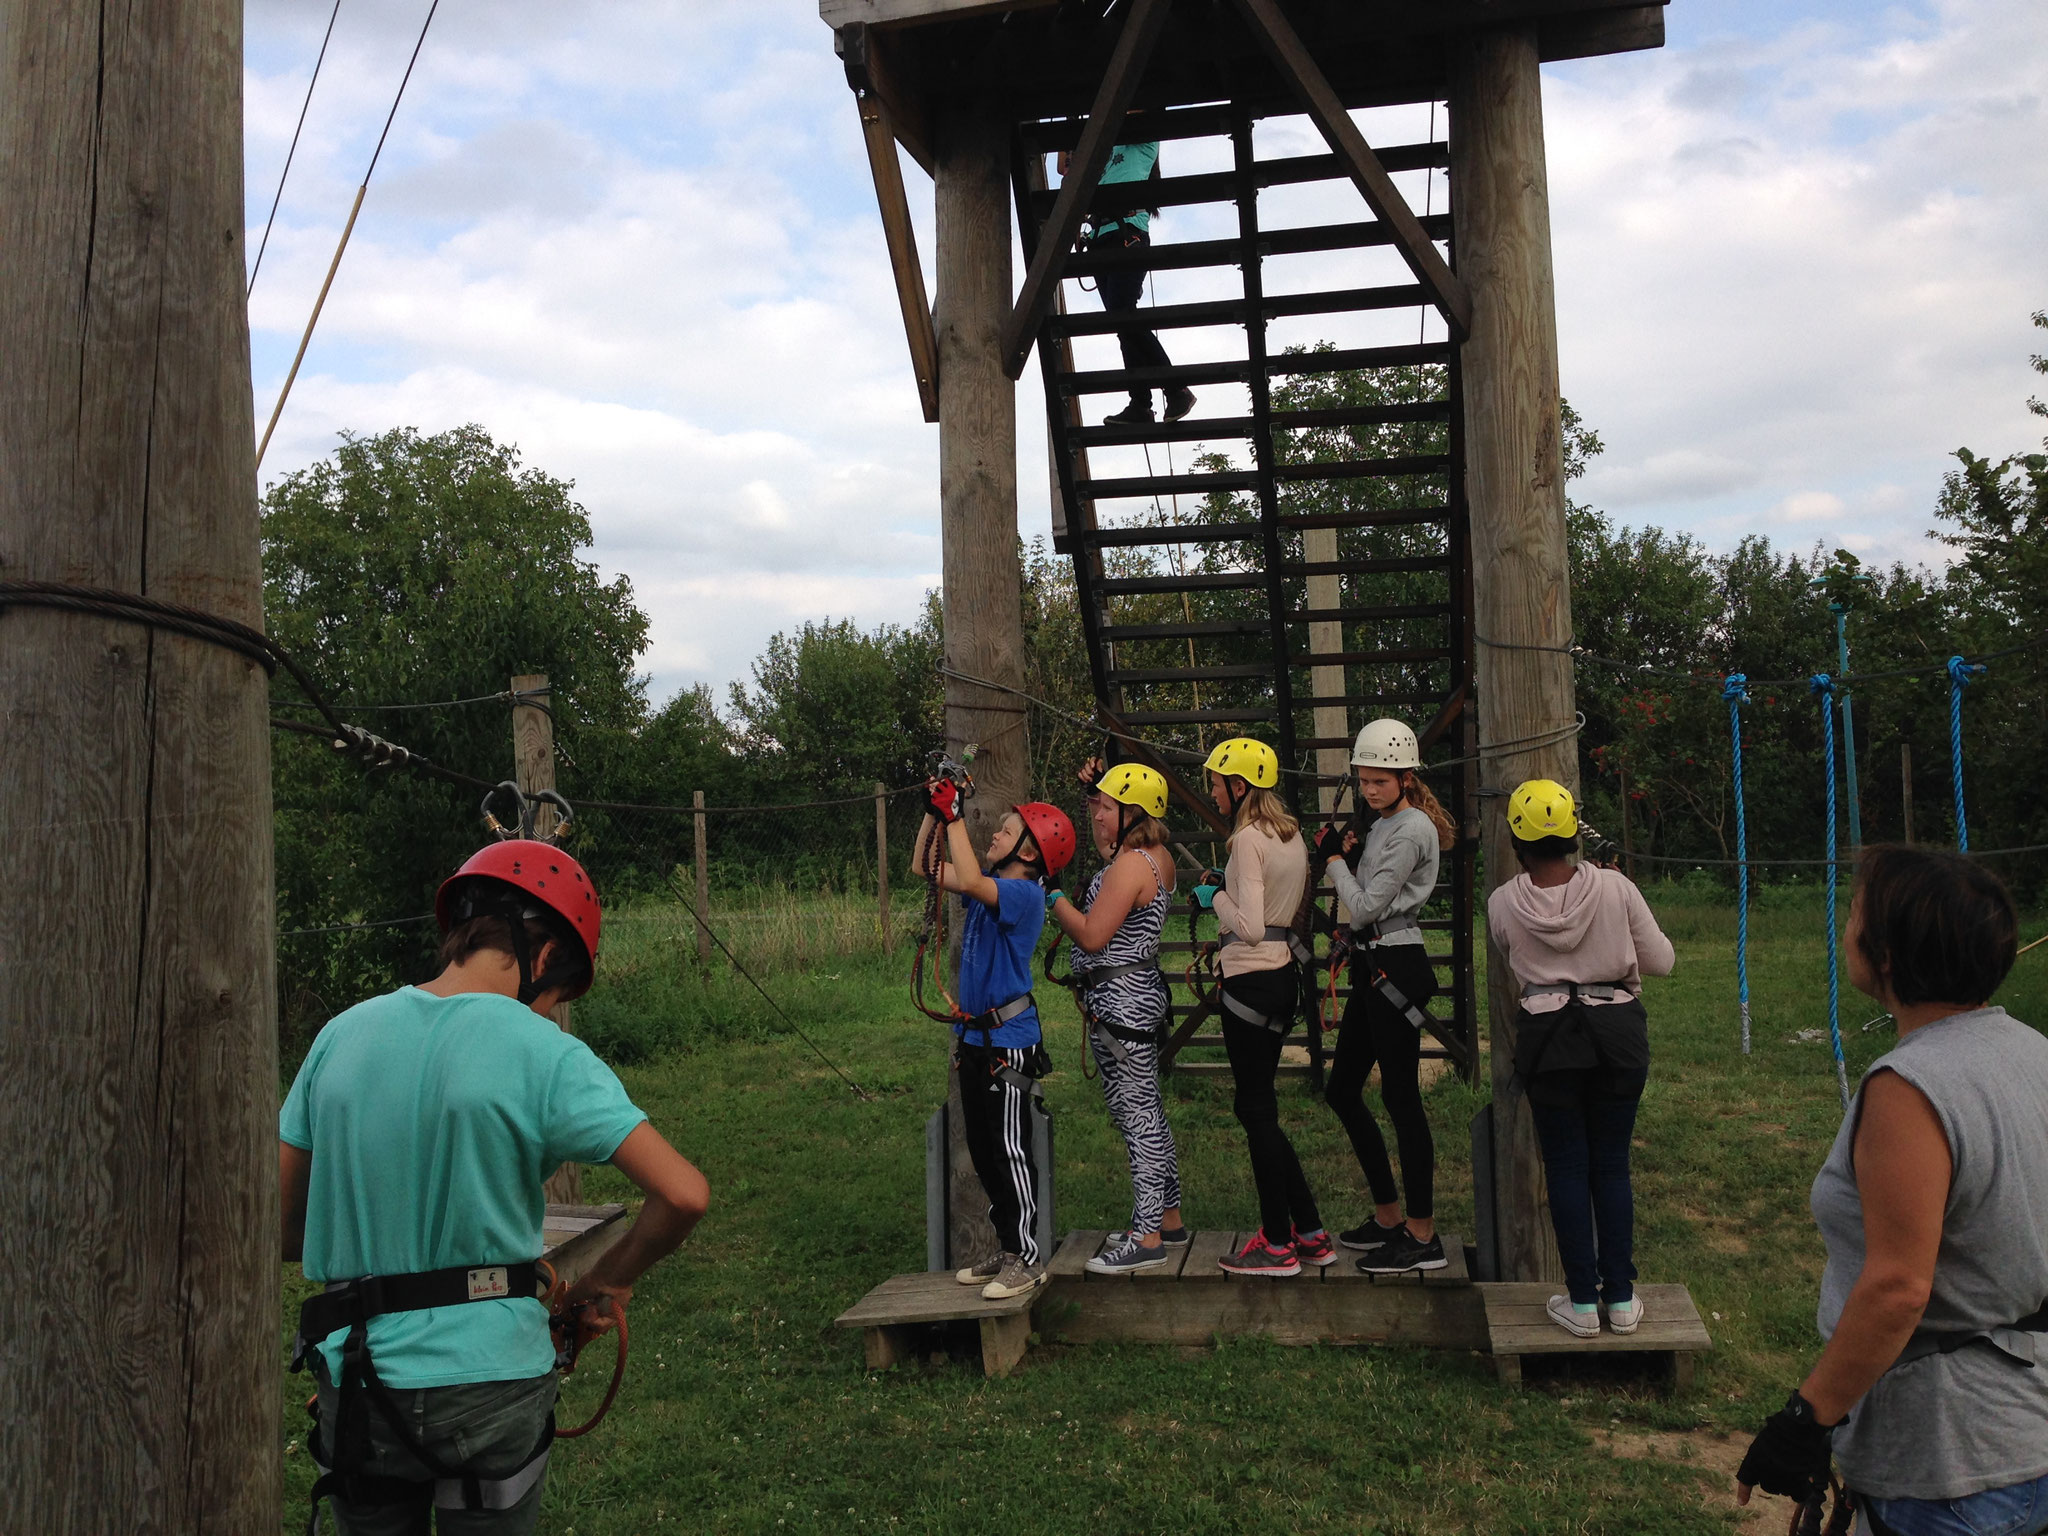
point(2020, 1510)
point(1585, 1164)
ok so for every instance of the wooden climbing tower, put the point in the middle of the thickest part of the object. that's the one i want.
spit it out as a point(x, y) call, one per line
point(1364, 513)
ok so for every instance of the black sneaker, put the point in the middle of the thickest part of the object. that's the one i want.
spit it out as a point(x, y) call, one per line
point(1137, 414)
point(1173, 1237)
point(1179, 402)
point(1369, 1235)
point(1403, 1254)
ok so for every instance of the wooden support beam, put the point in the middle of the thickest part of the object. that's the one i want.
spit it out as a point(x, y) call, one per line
point(1514, 486)
point(903, 262)
point(1292, 59)
point(533, 766)
point(870, 61)
point(1098, 141)
point(139, 1279)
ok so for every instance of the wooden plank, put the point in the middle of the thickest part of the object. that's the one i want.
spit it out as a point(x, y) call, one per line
point(1346, 1270)
point(1176, 1260)
point(928, 1298)
point(871, 69)
point(1518, 1324)
point(1299, 69)
point(1003, 1342)
point(1204, 1249)
point(882, 1347)
point(1075, 1250)
point(901, 238)
point(881, 13)
point(1289, 1312)
point(1098, 140)
point(1087, 1245)
point(573, 1243)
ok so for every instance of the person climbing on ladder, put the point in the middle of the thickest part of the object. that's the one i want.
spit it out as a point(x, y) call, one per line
point(1123, 997)
point(1392, 982)
point(1123, 290)
point(998, 1052)
point(412, 1151)
point(1262, 887)
point(1579, 939)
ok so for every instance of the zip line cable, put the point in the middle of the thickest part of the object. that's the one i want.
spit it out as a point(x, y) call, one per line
point(257, 265)
point(1847, 679)
point(346, 230)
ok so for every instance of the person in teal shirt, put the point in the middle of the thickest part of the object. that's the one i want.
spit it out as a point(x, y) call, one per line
point(1123, 289)
point(415, 1142)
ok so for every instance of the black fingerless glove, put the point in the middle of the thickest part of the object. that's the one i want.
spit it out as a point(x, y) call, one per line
point(1329, 843)
point(1790, 1454)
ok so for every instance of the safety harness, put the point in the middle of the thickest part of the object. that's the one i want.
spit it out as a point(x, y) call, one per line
point(1579, 991)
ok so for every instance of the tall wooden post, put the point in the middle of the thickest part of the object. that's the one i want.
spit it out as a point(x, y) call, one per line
point(1515, 485)
point(982, 598)
point(139, 1372)
point(533, 766)
point(701, 841)
point(882, 865)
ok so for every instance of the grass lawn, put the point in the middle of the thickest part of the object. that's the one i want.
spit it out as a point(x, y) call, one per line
point(746, 1410)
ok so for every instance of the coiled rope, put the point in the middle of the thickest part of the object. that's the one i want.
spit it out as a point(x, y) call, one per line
point(1824, 689)
point(1961, 674)
point(1736, 693)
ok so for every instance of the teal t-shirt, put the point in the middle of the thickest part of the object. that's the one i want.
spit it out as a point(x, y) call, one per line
point(1130, 162)
point(433, 1124)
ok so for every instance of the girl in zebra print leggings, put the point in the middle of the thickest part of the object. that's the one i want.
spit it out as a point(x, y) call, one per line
point(1123, 997)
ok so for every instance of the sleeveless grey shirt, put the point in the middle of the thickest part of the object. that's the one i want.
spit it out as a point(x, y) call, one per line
point(1951, 1425)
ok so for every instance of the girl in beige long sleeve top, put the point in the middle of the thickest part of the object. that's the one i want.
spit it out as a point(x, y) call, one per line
point(1263, 886)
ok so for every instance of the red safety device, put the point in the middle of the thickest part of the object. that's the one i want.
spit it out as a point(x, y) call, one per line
point(1050, 829)
point(541, 871)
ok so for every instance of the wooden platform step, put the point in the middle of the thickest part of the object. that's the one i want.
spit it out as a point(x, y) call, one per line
point(897, 1312)
point(573, 1236)
point(1517, 1325)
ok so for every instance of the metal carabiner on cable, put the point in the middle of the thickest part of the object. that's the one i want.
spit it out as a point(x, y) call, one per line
point(497, 828)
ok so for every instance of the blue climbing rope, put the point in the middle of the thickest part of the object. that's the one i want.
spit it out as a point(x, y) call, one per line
point(1824, 690)
point(1960, 675)
point(1736, 691)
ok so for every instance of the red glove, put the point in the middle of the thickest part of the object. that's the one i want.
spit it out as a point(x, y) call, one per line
point(943, 795)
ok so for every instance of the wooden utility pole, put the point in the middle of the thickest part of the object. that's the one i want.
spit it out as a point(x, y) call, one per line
point(983, 604)
point(882, 865)
point(139, 1371)
point(1515, 485)
point(700, 835)
point(533, 765)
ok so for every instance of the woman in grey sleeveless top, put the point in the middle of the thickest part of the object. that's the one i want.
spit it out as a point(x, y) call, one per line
point(1932, 1392)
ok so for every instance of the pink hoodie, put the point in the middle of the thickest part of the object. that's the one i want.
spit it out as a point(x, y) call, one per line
point(1594, 929)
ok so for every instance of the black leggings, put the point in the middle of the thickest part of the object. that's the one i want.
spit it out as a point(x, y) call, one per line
point(1286, 1203)
point(1375, 1031)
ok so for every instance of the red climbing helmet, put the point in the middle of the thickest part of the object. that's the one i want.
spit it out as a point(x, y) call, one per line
point(540, 871)
point(1052, 831)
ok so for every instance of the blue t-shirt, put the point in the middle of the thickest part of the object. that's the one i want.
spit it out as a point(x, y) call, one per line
point(433, 1124)
point(1130, 162)
point(996, 946)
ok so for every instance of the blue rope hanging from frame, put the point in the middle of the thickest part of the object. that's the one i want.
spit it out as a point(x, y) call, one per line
point(1736, 691)
point(1824, 690)
point(1960, 675)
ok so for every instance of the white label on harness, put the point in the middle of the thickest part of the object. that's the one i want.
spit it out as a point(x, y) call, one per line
point(486, 1283)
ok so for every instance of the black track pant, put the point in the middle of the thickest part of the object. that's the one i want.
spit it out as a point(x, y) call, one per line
point(1285, 1200)
point(1375, 1031)
point(996, 1118)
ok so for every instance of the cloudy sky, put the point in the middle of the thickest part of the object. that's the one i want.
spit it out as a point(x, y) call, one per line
point(1796, 254)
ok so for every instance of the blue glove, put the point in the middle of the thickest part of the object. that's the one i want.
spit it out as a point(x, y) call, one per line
point(1205, 896)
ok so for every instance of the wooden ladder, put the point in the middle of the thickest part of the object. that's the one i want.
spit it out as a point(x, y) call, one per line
point(1311, 568)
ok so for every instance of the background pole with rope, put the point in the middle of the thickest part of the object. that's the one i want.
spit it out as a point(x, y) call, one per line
point(1736, 695)
point(1960, 675)
point(1824, 690)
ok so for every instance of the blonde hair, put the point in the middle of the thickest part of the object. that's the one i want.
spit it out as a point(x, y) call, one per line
point(1417, 794)
point(1146, 832)
point(1263, 808)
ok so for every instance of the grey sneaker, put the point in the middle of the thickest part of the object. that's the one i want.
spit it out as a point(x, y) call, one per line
point(1626, 1316)
point(1584, 1325)
point(1173, 1237)
point(1126, 1258)
point(982, 1271)
point(1014, 1279)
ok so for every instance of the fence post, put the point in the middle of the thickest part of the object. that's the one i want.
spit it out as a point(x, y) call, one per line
point(1628, 841)
point(533, 767)
point(882, 864)
point(1906, 784)
point(703, 883)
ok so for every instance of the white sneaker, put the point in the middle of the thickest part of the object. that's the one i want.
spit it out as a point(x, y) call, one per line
point(1624, 1317)
point(983, 1272)
point(1584, 1325)
point(1016, 1278)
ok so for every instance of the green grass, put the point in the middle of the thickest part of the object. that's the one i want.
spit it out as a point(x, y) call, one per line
point(746, 1410)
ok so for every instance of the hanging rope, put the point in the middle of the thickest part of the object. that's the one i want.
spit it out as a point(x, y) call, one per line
point(1960, 675)
point(1824, 689)
point(1737, 695)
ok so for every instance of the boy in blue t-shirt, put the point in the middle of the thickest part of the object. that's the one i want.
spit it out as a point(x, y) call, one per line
point(997, 1047)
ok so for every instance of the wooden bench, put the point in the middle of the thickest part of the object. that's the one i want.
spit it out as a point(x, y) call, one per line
point(573, 1236)
point(896, 1315)
point(1517, 1325)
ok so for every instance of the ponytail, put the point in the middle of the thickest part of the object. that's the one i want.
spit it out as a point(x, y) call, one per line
point(1417, 794)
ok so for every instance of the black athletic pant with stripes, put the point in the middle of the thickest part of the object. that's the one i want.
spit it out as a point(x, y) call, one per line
point(1374, 1030)
point(996, 1116)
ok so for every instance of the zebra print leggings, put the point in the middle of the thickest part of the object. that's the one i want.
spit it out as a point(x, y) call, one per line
point(1137, 1108)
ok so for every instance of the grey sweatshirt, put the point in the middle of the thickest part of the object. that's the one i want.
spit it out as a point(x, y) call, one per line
point(1396, 873)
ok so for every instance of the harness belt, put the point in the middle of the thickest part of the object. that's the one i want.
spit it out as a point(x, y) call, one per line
point(1381, 932)
point(351, 1304)
point(1280, 1025)
point(1604, 992)
point(1096, 975)
point(2015, 1340)
point(1002, 1071)
point(996, 1018)
point(1275, 934)
point(1399, 999)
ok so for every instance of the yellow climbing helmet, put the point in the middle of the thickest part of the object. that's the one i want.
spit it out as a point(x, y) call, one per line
point(1541, 808)
point(1136, 785)
point(1241, 757)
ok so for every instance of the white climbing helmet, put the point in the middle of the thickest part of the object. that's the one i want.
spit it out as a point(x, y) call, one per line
point(1387, 744)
